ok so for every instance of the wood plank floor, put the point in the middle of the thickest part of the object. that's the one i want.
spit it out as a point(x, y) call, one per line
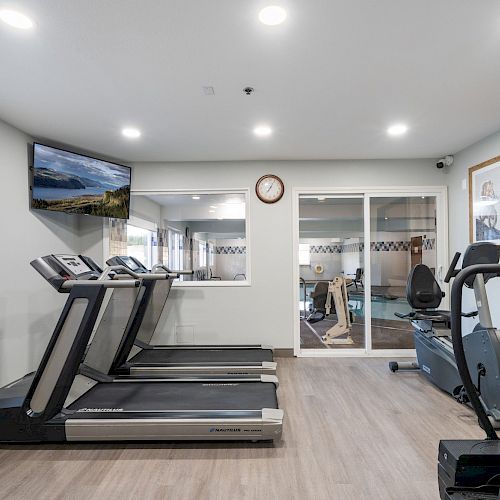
point(353, 430)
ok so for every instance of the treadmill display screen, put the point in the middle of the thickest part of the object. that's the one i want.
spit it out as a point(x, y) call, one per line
point(73, 264)
point(130, 263)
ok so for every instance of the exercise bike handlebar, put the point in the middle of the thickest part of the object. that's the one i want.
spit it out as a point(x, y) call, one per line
point(458, 346)
point(452, 271)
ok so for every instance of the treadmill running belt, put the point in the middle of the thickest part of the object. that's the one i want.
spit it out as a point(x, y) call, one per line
point(140, 396)
point(193, 356)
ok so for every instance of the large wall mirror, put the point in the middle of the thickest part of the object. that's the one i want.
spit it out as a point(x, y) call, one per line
point(202, 231)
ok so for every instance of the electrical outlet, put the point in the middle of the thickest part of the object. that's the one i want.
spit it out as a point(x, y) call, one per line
point(184, 334)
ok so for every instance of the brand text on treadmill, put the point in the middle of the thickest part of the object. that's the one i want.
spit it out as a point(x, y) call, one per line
point(215, 429)
point(94, 410)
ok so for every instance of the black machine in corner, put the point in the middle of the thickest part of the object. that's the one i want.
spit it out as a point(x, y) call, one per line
point(471, 468)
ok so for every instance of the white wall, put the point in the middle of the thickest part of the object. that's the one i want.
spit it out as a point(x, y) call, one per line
point(262, 313)
point(332, 262)
point(29, 307)
point(459, 212)
point(146, 209)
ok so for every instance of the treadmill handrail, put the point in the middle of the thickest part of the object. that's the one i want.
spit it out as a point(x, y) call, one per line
point(106, 284)
point(458, 345)
point(140, 276)
point(165, 268)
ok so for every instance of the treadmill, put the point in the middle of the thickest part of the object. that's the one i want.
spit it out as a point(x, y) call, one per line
point(65, 400)
point(137, 356)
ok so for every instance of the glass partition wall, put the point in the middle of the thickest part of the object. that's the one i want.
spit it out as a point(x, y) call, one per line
point(402, 235)
point(203, 232)
point(331, 254)
point(349, 288)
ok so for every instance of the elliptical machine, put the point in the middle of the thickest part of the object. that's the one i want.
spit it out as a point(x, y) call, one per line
point(432, 334)
point(471, 468)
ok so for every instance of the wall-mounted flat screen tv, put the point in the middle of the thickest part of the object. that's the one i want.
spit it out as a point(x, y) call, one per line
point(76, 184)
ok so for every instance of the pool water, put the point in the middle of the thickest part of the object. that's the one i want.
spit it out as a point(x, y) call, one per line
point(382, 307)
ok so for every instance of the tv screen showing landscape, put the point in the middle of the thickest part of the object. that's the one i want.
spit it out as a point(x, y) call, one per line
point(77, 184)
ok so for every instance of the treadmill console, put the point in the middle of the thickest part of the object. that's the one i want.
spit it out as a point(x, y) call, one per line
point(57, 269)
point(129, 262)
point(74, 266)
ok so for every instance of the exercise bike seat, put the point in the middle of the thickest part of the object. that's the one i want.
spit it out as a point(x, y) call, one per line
point(424, 294)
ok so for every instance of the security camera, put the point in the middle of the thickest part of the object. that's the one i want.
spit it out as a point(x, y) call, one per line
point(447, 161)
point(248, 90)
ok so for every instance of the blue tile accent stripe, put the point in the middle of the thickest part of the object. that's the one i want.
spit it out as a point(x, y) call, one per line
point(375, 246)
point(389, 246)
point(429, 244)
point(226, 250)
point(325, 248)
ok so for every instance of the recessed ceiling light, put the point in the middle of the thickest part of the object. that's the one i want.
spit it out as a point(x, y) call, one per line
point(272, 15)
point(423, 197)
point(16, 19)
point(262, 131)
point(195, 197)
point(131, 133)
point(386, 218)
point(211, 211)
point(397, 129)
point(213, 206)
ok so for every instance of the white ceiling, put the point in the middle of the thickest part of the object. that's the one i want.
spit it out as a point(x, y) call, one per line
point(329, 80)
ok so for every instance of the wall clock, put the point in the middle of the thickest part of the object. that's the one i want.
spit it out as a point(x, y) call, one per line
point(269, 188)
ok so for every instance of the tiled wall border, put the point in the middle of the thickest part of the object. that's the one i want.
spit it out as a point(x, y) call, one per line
point(229, 250)
point(375, 246)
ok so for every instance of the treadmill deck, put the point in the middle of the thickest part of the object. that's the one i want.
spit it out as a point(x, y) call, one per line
point(177, 396)
point(172, 411)
point(193, 356)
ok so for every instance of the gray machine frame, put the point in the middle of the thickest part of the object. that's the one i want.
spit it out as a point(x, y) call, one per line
point(471, 468)
point(44, 406)
point(435, 347)
point(138, 342)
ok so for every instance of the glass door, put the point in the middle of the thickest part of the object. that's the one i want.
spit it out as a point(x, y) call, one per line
point(354, 253)
point(403, 234)
point(331, 257)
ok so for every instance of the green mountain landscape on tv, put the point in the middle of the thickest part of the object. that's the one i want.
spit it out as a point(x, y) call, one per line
point(63, 192)
point(69, 182)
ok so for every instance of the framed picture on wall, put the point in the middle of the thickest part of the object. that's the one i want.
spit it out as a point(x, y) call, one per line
point(484, 201)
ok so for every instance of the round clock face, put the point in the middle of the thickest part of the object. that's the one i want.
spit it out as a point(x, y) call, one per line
point(269, 188)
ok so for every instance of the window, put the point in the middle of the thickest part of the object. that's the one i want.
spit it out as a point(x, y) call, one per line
point(176, 250)
point(202, 249)
point(140, 244)
point(211, 254)
point(203, 232)
point(304, 254)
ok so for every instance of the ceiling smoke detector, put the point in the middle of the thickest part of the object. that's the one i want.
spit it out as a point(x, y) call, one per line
point(249, 90)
